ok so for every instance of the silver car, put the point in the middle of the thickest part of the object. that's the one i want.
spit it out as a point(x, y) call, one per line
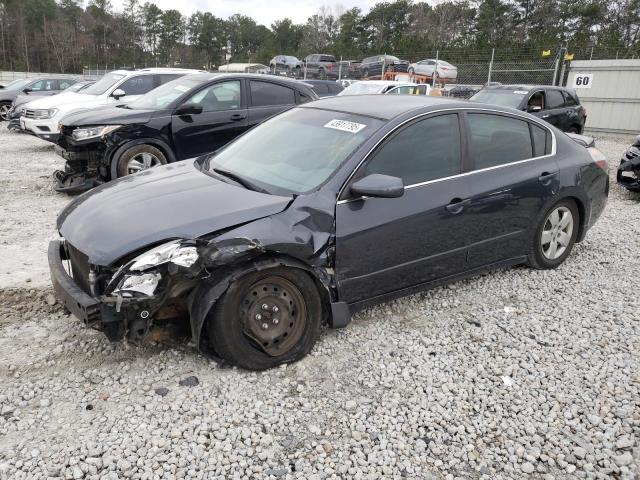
point(285, 63)
point(428, 67)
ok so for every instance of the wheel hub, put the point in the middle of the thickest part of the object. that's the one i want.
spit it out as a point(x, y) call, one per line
point(557, 232)
point(273, 314)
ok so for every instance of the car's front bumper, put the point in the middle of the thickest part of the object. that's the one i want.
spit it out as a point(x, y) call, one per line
point(45, 129)
point(78, 302)
point(628, 171)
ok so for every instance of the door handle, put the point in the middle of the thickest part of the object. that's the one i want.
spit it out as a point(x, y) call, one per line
point(456, 205)
point(237, 117)
point(546, 116)
point(545, 177)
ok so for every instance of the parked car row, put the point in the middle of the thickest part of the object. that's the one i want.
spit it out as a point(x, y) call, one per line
point(324, 66)
point(241, 204)
point(33, 87)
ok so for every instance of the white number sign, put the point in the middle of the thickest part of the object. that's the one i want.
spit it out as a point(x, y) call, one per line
point(583, 80)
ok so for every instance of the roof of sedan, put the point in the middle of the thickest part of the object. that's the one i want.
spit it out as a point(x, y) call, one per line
point(384, 107)
point(257, 76)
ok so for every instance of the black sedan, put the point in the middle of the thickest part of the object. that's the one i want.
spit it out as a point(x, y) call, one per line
point(320, 211)
point(181, 119)
point(628, 175)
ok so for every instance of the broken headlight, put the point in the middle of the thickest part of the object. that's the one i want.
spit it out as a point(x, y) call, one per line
point(175, 252)
point(93, 132)
point(144, 284)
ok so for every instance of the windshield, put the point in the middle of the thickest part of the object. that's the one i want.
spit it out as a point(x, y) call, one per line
point(16, 84)
point(505, 98)
point(164, 95)
point(104, 84)
point(296, 151)
point(362, 88)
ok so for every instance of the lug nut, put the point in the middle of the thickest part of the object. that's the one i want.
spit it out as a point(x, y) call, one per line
point(275, 321)
point(265, 306)
point(258, 316)
point(265, 326)
point(275, 309)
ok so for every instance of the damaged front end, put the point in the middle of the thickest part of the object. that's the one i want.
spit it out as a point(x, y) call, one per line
point(628, 175)
point(126, 301)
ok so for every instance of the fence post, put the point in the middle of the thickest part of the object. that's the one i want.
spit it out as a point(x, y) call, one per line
point(562, 70)
point(555, 67)
point(305, 69)
point(493, 51)
point(591, 56)
point(435, 70)
point(340, 69)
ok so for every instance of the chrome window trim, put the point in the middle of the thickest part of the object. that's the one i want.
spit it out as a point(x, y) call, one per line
point(456, 110)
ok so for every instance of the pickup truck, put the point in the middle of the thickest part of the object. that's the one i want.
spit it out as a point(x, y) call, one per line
point(321, 66)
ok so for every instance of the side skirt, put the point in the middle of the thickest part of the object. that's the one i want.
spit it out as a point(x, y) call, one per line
point(362, 304)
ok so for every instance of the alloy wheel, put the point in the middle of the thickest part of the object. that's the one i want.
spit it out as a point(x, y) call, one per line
point(4, 112)
point(142, 161)
point(557, 232)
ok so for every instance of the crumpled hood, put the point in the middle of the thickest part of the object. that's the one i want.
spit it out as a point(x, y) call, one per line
point(62, 99)
point(160, 204)
point(107, 115)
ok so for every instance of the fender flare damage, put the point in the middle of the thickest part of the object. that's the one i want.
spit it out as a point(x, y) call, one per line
point(300, 237)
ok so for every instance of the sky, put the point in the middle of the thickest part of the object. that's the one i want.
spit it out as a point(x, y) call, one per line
point(262, 11)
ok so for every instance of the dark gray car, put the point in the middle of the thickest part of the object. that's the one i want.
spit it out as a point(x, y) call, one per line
point(323, 210)
point(36, 87)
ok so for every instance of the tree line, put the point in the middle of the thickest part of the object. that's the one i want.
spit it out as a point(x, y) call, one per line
point(66, 36)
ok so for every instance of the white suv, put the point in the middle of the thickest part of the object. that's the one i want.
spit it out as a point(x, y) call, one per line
point(42, 116)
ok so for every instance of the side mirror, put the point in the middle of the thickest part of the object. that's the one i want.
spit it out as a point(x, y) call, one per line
point(380, 186)
point(118, 93)
point(636, 142)
point(189, 109)
point(27, 90)
point(534, 108)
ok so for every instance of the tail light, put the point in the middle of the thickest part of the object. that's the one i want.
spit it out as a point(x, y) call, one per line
point(444, 68)
point(599, 159)
point(330, 66)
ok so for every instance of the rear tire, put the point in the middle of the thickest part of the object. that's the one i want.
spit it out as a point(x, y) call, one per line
point(322, 74)
point(266, 318)
point(411, 71)
point(555, 235)
point(574, 129)
point(138, 158)
point(365, 73)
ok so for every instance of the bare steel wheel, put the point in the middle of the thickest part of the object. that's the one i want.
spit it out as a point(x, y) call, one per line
point(557, 233)
point(139, 158)
point(273, 314)
point(266, 318)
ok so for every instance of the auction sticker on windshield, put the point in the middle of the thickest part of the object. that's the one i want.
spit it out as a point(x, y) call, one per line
point(345, 126)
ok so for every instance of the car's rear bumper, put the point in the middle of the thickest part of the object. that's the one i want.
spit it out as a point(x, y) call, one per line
point(78, 302)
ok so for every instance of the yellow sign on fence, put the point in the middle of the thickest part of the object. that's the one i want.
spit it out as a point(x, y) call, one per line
point(568, 56)
point(546, 53)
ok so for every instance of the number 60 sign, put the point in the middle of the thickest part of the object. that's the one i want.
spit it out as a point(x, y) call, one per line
point(583, 80)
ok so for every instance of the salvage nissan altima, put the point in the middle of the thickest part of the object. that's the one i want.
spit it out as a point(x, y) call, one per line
point(323, 210)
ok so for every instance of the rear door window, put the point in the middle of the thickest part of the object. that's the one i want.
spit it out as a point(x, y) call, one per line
point(497, 140)
point(165, 78)
point(138, 85)
point(266, 93)
point(554, 99)
point(425, 150)
point(64, 84)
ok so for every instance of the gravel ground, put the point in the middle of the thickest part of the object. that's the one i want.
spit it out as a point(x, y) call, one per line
point(513, 374)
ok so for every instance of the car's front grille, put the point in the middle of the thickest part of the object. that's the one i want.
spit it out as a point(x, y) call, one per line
point(35, 114)
point(79, 267)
